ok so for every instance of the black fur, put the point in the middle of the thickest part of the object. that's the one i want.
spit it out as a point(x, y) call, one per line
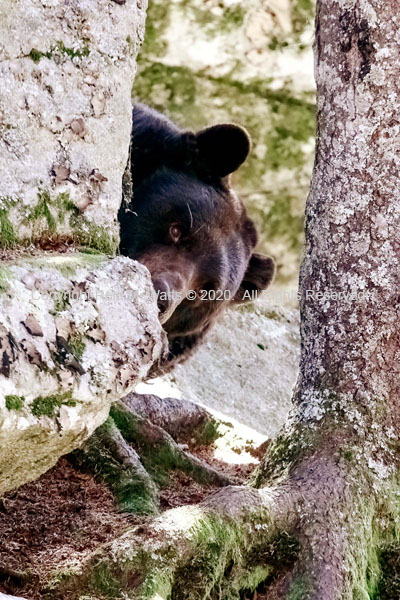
point(187, 226)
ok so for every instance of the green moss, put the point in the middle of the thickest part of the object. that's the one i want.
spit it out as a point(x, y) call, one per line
point(61, 302)
point(72, 52)
point(97, 237)
point(300, 588)
point(133, 493)
point(57, 49)
point(77, 345)
point(41, 210)
point(7, 233)
point(86, 250)
point(208, 433)
point(49, 406)
point(302, 14)
point(8, 237)
point(48, 211)
point(220, 567)
point(4, 278)
point(104, 581)
point(347, 454)
point(14, 402)
point(36, 55)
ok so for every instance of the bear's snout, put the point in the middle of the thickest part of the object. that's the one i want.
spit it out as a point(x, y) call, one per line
point(169, 295)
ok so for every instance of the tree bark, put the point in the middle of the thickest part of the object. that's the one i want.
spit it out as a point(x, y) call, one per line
point(324, 507)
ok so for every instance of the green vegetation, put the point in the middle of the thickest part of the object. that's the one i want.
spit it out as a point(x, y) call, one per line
point(213, 25)
point(4, 277)
point(302, 14)
point(14, 402)
point(8, 236)
point(133, 490)
point(36, 55)
point(59, 48)
point(281, 126)
point(300, 588)
point(89, 235)
point(157, 20)
point(77, 345)
point(48, 210)
point(281, 121)
point(72, 52)
point(49, 406)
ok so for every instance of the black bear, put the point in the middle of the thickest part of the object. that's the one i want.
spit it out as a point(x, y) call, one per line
point(189, 228)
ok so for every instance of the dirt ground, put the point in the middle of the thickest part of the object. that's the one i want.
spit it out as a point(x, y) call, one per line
point(65, 515)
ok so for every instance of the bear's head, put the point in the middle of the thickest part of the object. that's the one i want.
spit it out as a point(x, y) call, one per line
point(188, 227)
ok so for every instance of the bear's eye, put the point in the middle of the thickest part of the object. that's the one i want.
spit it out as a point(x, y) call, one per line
point(175, 233)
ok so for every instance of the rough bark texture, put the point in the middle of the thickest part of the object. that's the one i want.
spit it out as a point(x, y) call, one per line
point(347, 392)
point(326, 511)
point(66, 353)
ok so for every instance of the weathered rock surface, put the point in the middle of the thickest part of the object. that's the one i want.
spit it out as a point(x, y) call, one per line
point(76, 333)
point(66, 72)
point(246, 369)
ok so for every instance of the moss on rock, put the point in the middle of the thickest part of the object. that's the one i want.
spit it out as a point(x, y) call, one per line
point(14, 402)
point(59, 49)
point(49, 406)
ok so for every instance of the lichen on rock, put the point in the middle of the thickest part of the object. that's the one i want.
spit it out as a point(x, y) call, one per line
point(66, 71)
point(76, 332)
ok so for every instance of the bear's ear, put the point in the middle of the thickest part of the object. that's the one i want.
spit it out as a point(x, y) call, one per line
point(223, 148)
point(259, 274)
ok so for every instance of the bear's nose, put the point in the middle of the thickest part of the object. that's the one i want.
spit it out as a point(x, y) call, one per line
point(167, 298)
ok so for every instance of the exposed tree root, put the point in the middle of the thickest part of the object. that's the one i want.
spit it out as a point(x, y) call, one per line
point(291, 540)
point(133, 455)
point(183, 420)
point(158, 449)
point(108, 456)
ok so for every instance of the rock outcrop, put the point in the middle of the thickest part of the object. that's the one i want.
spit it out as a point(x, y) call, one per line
point(77, 329)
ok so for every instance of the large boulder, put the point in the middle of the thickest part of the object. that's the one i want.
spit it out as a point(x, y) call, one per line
point(77, 330)
point(66, 72)
point(76, 333)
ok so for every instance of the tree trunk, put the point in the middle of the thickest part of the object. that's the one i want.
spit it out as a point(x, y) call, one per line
point(324, 511)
